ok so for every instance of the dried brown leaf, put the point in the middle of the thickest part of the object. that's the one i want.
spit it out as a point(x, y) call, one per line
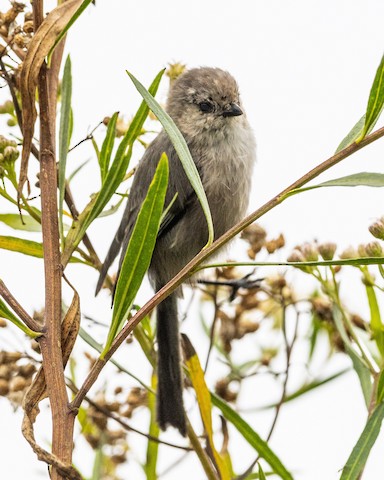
point(38, 49)
point(38, 390)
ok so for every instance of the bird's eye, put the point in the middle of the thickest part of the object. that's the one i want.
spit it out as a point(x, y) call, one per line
point(206, 107)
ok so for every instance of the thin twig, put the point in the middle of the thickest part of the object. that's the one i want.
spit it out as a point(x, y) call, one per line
point(88, 137)
point(124, 424)
point(17, 308)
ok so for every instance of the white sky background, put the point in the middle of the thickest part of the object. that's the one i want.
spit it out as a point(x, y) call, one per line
point(304, 69)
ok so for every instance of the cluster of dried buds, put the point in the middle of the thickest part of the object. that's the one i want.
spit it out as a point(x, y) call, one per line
point(16, 374)
point(256, 236)
point(13, 33)
point(8, 155)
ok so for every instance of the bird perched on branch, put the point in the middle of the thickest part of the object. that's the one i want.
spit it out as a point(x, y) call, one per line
point(205, 105)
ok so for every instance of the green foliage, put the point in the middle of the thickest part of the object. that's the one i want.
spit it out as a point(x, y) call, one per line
point(139, 251)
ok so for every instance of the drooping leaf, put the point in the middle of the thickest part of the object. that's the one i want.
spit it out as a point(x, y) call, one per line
point(27, 247)
point(69, 23)
point(14, 221)
point(182, 150)
point(203, 396)
point(252, 437)
point(139, 250)
point(361, 450)
point(64, 136)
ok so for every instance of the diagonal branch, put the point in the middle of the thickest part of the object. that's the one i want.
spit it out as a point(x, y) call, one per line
point(192, 266)
point(17, 308)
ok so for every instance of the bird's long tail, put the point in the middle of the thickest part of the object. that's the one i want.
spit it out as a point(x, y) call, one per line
point(170, 408)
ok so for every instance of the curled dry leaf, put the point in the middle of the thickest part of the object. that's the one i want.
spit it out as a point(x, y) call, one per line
point(38, 390)
point(38, 49)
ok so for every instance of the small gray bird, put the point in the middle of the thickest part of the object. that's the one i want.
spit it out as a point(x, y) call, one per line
point(205, 105)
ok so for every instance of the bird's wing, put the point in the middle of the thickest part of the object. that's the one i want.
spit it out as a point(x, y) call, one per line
point(177, 184)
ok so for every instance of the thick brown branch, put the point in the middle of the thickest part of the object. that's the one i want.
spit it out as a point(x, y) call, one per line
point(50, 344)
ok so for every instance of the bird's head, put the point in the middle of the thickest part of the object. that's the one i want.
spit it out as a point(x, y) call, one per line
point(204, 100)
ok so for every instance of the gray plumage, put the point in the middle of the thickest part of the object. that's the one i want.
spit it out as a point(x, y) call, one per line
point(205, 105)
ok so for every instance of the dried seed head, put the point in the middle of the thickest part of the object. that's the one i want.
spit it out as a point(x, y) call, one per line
point(377, 229)
point(348, 253)
point(374, 249)
point(327, 250)
point(4, 387)
point(28, 26)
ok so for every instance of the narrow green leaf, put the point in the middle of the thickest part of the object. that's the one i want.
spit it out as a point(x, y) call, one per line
point(27, 247)
point(113, 209)
point(261, 473)
point(308, 387)
point(8, 315)
point(14, 221)
point(182, 150)
point(359, 365)
point(139, 250)
point(353, 135)
point(361, 450)
point(113, 178)
point(99, 348)
point(351, 262)
point(107, 147)
point(362, 179)
point(380, 388)
point(77, 170)
point(375, 101)
point(76, 15)
point(252, 437)
point(150, 465)
point(98, 464)
point(376, 323)
point(64, 137)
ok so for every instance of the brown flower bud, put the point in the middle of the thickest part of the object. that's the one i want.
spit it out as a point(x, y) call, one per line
point(28, 27)
point(17, 384)
point(4, 387)
point(327, 250)
point(374, 249)
point(377, 229)
point(349, 253)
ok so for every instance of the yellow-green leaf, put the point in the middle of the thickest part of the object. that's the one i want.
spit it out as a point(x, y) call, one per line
point(196, 375)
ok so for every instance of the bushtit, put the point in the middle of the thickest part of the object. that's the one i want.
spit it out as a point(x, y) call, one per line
point(205, 105)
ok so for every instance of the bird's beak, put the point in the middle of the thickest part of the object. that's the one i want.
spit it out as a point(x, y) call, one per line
point(233, 111)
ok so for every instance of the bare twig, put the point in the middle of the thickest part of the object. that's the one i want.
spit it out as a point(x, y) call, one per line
point(124, 424)
point(17, 308)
